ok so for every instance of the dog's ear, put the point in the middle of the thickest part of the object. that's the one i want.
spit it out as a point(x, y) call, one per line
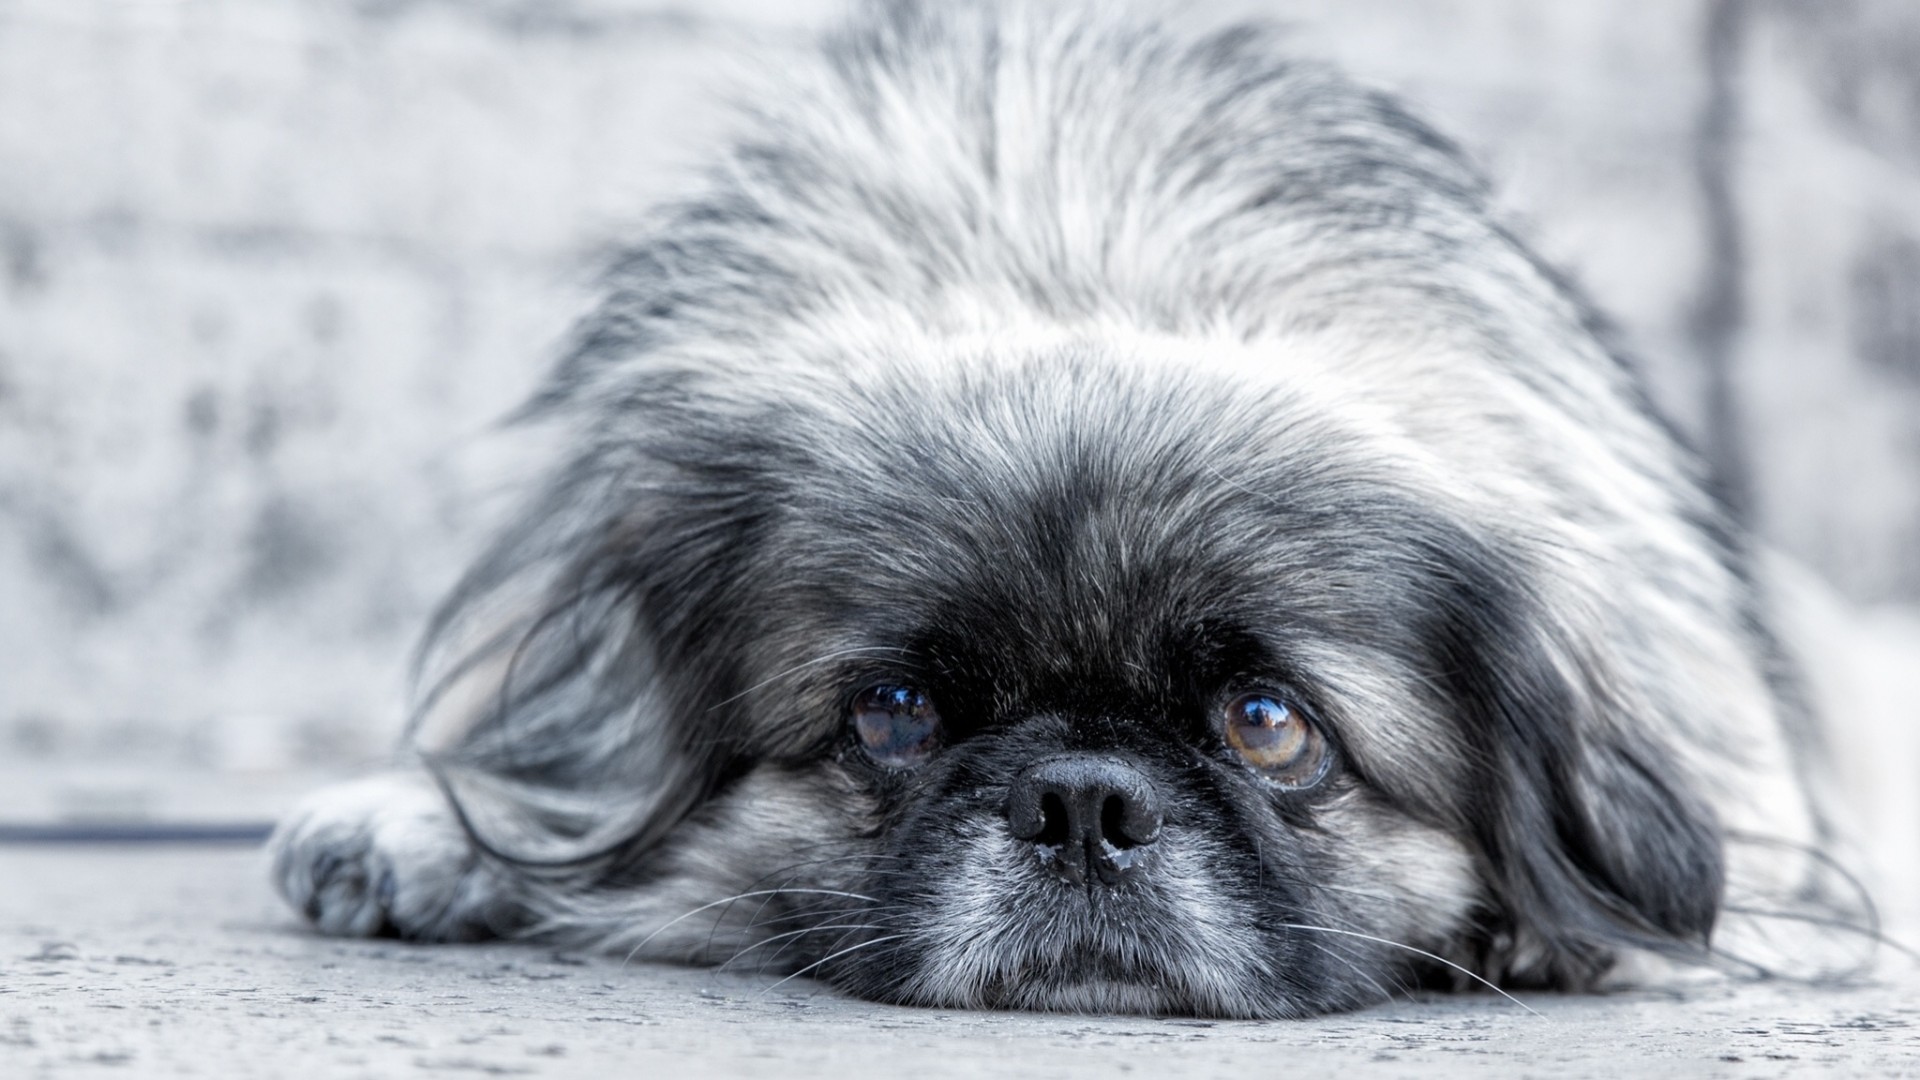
point(1593, 837)
point(567, 684)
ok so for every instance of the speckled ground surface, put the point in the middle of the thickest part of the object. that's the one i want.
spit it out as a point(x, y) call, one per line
point(139, 962)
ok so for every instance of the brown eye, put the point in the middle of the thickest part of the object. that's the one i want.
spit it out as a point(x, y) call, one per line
point(897, 725)
point(1277, 739)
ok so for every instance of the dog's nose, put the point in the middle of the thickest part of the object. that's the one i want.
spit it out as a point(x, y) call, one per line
point(1085, 814)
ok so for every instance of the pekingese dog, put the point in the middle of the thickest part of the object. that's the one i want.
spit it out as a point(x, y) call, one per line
point(1082, 515)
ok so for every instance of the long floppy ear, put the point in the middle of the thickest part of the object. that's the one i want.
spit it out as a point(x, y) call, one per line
point(563, 681)
point(1594, 839)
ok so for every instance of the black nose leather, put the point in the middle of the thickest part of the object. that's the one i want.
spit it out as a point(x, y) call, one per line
point(1085, 815)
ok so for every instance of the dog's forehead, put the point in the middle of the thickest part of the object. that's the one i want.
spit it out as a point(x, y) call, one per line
point(1109, 520)
point(1077, 495)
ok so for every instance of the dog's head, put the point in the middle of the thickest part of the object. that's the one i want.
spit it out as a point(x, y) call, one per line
point(1084, 679)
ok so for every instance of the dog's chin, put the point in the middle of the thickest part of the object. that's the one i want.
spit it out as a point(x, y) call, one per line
point(1092, 961)
point(1034, 965)
point(1139, 994)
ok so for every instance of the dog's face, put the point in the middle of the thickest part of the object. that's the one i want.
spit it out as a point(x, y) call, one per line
point(1075, 682)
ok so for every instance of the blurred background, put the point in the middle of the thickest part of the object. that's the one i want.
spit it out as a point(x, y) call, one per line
point(272, 270)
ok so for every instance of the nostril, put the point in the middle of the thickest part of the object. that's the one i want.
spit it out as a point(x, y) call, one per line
point(1055, 826)
point(1126, 824)
point(1113, 827)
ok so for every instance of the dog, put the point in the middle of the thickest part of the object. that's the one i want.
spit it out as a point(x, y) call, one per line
point(1077, 514)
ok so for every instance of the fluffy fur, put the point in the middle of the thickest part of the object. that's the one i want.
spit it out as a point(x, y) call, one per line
point(1077, 369)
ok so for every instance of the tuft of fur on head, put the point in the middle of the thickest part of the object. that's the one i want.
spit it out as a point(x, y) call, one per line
point(1078, 367)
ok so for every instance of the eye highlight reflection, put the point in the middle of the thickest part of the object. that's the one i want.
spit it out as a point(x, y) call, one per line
point(1276, 739)
point(897, 725)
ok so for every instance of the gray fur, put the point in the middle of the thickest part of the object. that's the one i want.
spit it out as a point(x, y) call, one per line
point(1050, 356)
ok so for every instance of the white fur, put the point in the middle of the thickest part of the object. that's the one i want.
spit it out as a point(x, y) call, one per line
point(381, 853)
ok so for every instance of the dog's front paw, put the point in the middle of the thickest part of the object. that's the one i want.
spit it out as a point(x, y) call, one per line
point(384, 855)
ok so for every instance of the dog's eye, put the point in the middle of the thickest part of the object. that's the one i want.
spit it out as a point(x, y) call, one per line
point(897, 725)
point(1277, 739)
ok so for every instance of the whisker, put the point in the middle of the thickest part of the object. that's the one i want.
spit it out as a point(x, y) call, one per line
point(811, 913)
point(1334, 951)
point(822, 913)
point(830, 957)
point(878, 925)
point(791, 870)
point(1421, 952)
point(664, 927)
point(803, 931)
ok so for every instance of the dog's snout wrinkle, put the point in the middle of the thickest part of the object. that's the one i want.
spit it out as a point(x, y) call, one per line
point(1085, 815)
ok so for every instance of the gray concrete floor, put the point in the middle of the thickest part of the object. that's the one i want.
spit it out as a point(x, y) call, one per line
point(148, 961)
